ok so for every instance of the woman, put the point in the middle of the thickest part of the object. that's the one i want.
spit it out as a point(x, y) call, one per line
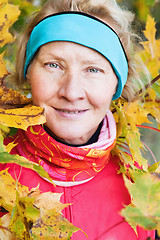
point(73, 56)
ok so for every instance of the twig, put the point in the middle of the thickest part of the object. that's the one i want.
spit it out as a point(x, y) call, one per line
point(149, 84)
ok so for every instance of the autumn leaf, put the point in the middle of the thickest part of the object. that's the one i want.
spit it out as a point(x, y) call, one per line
point(51, 223)
point(137, 113)
point(32, 214)
point(128, 117)
point(22, 117)
point(3, 71)
point(8, 187)
point(2, 147)
point(10, 99)
point(144, 210)
point(9, 14)
point(5, 157)
point(151, 53)
point(13, 113)
point(24, 215)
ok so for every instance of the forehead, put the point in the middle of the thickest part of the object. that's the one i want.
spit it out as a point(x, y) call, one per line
point(60, 47)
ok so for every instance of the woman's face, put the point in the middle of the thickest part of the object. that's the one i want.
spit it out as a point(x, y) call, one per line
point(75, 85)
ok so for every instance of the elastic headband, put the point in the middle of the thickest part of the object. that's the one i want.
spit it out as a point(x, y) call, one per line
point(85, 30)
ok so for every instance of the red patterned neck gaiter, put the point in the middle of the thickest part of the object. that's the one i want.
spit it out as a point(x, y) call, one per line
point(62, 162)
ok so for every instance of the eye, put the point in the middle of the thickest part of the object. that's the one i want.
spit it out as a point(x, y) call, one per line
point(52, 65)
point(93, 70)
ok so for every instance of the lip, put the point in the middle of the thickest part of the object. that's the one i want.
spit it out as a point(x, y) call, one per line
point(72, 114)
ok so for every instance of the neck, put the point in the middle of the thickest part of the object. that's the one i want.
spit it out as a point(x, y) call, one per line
point(93, 139)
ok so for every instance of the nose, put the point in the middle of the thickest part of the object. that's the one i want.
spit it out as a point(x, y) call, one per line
point(71, 87)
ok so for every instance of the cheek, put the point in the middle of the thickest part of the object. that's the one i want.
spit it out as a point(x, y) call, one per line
point(101, 96)
point(37, 90)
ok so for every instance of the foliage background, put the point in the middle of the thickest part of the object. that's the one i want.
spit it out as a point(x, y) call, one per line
point(141, 8)
point(145, 207)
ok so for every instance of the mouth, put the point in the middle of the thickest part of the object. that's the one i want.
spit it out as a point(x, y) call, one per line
point(70, 113)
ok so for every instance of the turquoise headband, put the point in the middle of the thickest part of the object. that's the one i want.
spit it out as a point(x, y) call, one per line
point(83, 29)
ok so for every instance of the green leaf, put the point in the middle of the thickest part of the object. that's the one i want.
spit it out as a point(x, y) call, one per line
point(156, 87)
point(5, 157)
point(144, 209)
point(2, 147)
point(19, 228)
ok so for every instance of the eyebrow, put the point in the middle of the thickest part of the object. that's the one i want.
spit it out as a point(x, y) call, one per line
point(61, 58)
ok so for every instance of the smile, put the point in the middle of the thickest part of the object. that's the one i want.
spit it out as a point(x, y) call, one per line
point(70, 114)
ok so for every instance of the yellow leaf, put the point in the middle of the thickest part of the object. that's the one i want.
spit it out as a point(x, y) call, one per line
point(133, 140)
point(3, 70)
point(151, 52)
point(130, 115)
point(154, 109)
point(8, 190)
point(136, 113)
point(22, 117)
point(9, 14)
point(12, 113)
point(47, 201)
point(52, 225)
point(150, 31)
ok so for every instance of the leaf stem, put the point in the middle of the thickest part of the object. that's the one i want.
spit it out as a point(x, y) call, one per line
point(5, 228)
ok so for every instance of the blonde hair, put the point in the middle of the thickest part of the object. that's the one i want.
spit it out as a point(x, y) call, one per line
point(107, 10)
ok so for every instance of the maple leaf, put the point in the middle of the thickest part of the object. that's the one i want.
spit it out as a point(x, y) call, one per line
point(10, 99)
point(32, 215)
point(128, 117)
point(151, 53)
point(151, 58)
point(12, 113)
point(9, 14)
point(22, 117)
point(144, 210)
point(8, 189)
point(5, 157)
point(51, 224)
